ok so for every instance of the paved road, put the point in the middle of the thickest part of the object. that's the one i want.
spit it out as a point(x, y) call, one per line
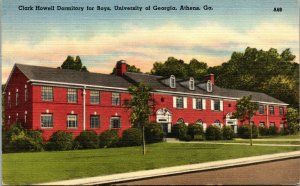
point(283, 172)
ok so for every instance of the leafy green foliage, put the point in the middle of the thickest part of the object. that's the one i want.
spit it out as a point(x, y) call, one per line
point(153, 133)
point(263, 71)
point(132, 137)
point(263, 131)
point(60, 140)
point(73, 64)
point(194, 130)
point(273, 130)
point(87, 140)
point(227, 133)
point(18, 139)
point(179, 131)
point(108, 139)
point(213, 133)
point(141, 104)
point(244, 131)
point(180, 69)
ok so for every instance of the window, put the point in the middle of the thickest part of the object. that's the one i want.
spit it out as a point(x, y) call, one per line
point(199, 122)
point(72, 121)
point(26, 93)
point(281, 126)
point(115, 99)
point(72, 95)
point(217, 123)
point(209, 86)
point(180, 121)
point(271, 110)
point(94, 97)
point(95, 122)
point(172, 81)
point(179, 102)
point(272, 124)
point(17, 98)
point(115, 123)
point(47, 93)
point(192, 84)
point(198, 103)
point(9, 101)
point(217, 105)
point(46, 120)
point(262, 124)
point(261, 109)
point(281, 110)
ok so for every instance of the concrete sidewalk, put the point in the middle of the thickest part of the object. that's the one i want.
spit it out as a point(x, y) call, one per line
point(175, 170)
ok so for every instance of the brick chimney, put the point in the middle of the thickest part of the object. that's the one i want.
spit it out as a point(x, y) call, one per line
point(210, 77)
point(121, 68)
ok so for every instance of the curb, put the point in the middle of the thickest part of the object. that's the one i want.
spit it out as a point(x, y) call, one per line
point(175, 170)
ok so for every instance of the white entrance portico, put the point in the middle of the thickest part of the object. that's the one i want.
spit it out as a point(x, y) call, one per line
point(164, 117)
point(231, 122)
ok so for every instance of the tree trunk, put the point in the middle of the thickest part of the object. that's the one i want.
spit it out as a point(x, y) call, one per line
point(144, 142)
point(250, 132)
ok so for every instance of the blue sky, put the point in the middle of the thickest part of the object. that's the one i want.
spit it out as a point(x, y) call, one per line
point(141, 38)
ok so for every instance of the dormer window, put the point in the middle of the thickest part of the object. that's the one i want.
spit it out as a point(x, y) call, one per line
point(192, 84)
point(209, 86)
point(172, 81)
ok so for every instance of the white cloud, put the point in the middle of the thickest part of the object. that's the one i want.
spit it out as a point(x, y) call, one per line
point(143, 46)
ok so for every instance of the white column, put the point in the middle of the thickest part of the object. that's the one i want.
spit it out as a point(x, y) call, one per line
point(83, 103)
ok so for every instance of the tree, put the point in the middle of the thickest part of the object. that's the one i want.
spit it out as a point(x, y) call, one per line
point(292, 117)
point(73, 64)
point(141, 106)
point(130, 68)
point(180, 69)
point(245, 110)
point(269, 71)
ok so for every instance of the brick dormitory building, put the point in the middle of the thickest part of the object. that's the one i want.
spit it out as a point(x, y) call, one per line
point(51, 99)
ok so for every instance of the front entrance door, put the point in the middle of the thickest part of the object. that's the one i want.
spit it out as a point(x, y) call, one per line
point(164, 117)
point(164, 127)
point(231, 122)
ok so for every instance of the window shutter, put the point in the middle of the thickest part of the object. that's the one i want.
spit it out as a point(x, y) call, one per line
point(221, 105)
point(194, 103)
point(184, 102)
point(111, 123)
point(203, 104)
point(174, 101)
point(212, 105)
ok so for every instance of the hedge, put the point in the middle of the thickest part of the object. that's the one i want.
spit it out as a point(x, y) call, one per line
point(244, 131)
point(108, 138)
point(87, 140)
point(213, 133)
point(153, 133)
point(132, 137)
point(60, 140)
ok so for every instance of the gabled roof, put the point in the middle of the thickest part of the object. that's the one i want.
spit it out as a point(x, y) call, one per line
point(156, 83)
point(55, 75)
point(71, 76)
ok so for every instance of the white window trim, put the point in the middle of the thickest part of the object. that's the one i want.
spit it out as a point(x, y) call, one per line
point(172, 79)
point(41, 120)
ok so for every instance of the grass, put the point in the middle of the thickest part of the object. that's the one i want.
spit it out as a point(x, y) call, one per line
point(296, 136)
point(256, 142)
point(28, 168)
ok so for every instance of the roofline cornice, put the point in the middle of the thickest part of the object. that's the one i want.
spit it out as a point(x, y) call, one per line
point(155, 91)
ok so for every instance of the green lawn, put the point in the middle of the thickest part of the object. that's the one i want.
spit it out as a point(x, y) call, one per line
point(256, 142)
point(296, 136)
point(27, 168)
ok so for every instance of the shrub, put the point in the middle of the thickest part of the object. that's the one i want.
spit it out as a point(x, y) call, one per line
point(132, 137)
point(244, 131)
point(153, 133)
point(228, 133)
point(263, 131)
point(213, 133)
point(18, 139)
point(273, 130)
point(179, 131)
point(60, 140)
point(108, 139)
point(293, 128)
point(87, 140)
point(198, 138)
point(194, 129)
